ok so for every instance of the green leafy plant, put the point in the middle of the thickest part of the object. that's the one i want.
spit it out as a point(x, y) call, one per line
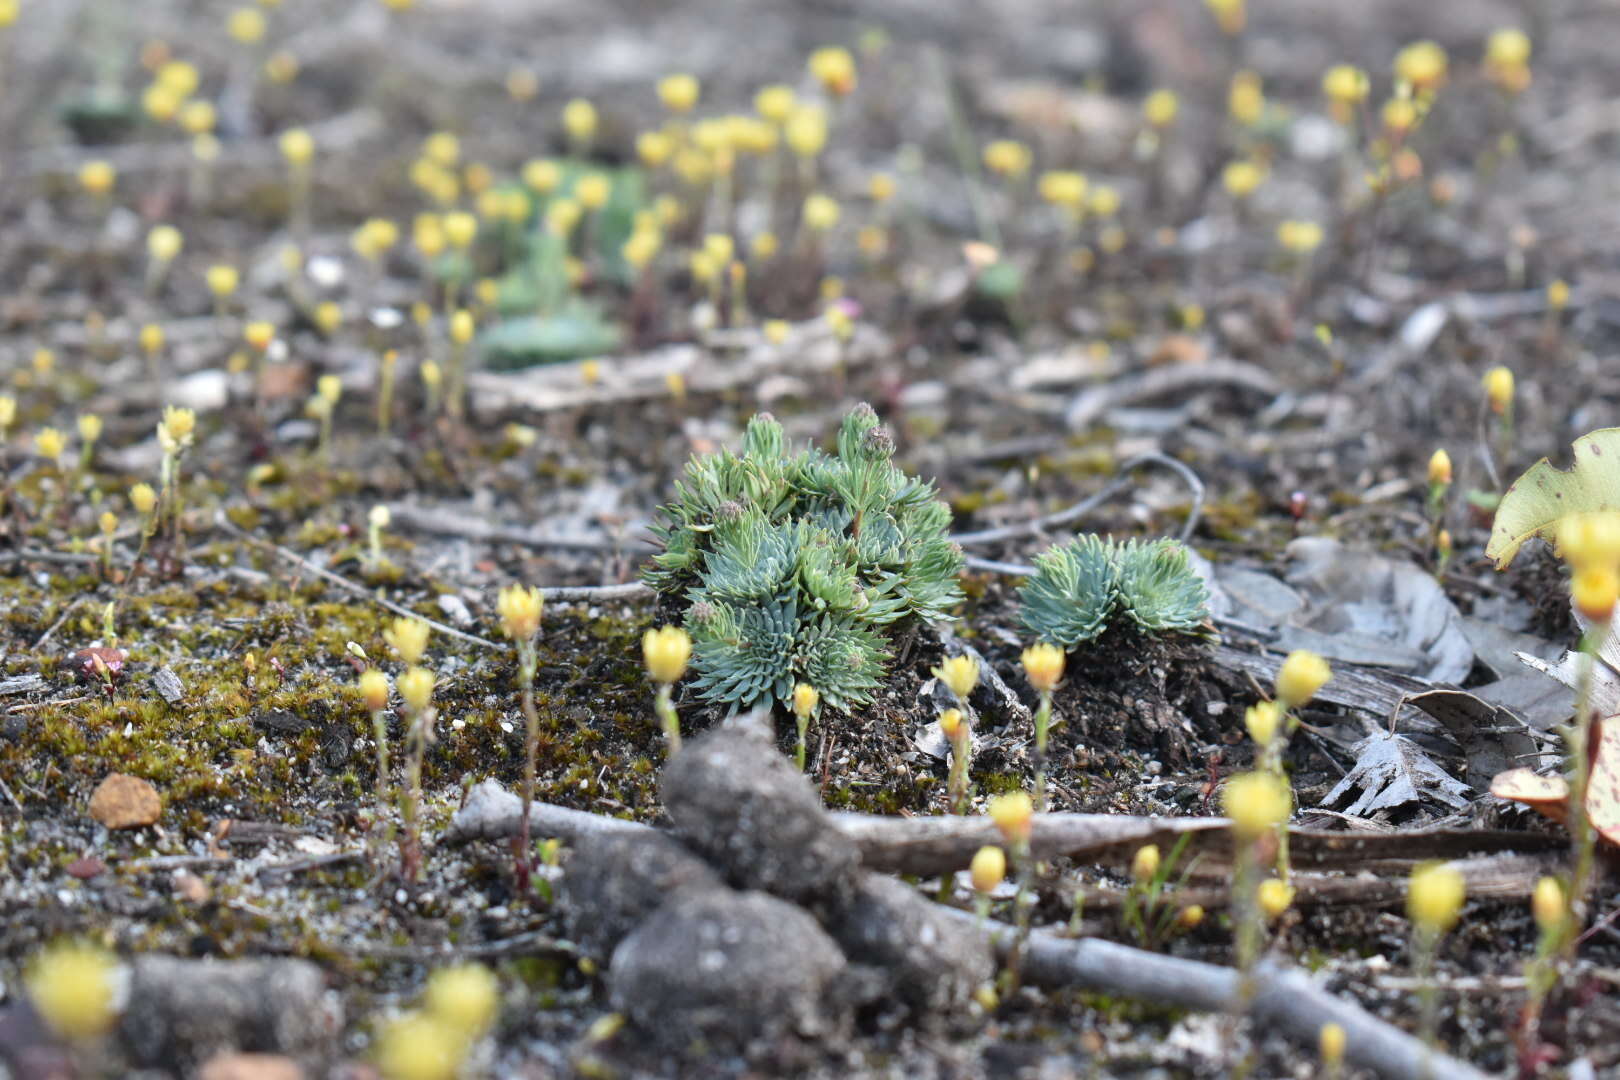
point(1082, 586)
point(1546, 494)
point(796, 566)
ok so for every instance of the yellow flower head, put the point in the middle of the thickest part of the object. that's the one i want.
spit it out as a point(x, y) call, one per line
point(1299, 237)
point(951, 723)
point(1043, 666)
point(1257, 801)
point(579, 120)
point(1498, 384)
point(1104, 201)
point(143, 499)
point(1160, 107)
point(1302, 674)
point(259, 334)
point(561, 216)
point(246, 25)
point(460, 228)
point(164, 242)
point(1440, 467)
point(1345, 84)
point(592, 191)
point(1507, 48)
point(1558, 294)
point(988, 869)
point(97, 177)
point(50, 443)
point(1591, 539)
point(834, 68)
point(679, 93)
point(1422, 65)
point(222, 279)
point(1274, 896)
point(820, 212)
point(1434, 897)
point(1240, 178)
point(960, 673)
point(8, 412)
point(1007, 157)
point(73, 988)
point(880, 187)
point(1330, 1044)
point(519, 609)
point(1013, 814)
point(806, 130)
point(179, 77)
point(1145, 863)
point(197, 117)
point(416, 688)
point(462, 326)
point(1245, 99)
point(176, 429)
point(1594, 591)
point(642, 247)
point(805, 700)
point(666, 652)
point(297, 146)
point(409, 638)
point(420, 1046)
point(775, 103)
point(89, 427)
point(1262, 720)
point(374, 690)
point(464, 997)
point(1549, 905)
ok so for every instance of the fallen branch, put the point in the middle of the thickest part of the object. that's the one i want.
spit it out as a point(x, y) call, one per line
point(1284, 1000)
point(1090, 404)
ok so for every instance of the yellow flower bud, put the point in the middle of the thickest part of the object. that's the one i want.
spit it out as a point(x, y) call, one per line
point(1190, 916)
point(1104, 201)
point(820, 212)
point(951, 724)
point(805, 700)
point(461, 326)
point(1345, 84)
point(416, 688)
point(1043, 666)
point(246, 25)
point(50, 443)
point(1399, 115)
point(1013, 814)
point(579, 119)
point(834, 68)
point(108, 522)
point(97, 177)
point(163, 243)
point(259, 335)
point(592, 191)
point(520, 609)
point(151, 337)
point(143, 499)
point(328, 316)
point(72, 987)
point(960, 673)
point(330, 388)
point(1301, 676)
point(666, 652)
point(374, 690)
point(679, 93)
point(1440, 467)
point(460, 228)
point(1594, 591)
point(197, 117)
point(1244, 98)
point(806, 130)
point(775, 103)
point(222, 280)
point(988, 869)
point(642, 247)
point(176, 428)
point(1160, 108)
point(1498, 384)
point(1274, 897)
point(89, 427)
point(8, 412)
point(1262, 720)
point(1421, 64)
point(1330, 1040)
point(465, 997)
point(418, 1046)
point(1007, 157)
point(1591, 539)
point(1240, 178)
point(1145, 863)
point(409, 637)
point(1299, 237)
point(1434, 897)
point(1558, 294)
point(1257, 801)
point(1549, 905)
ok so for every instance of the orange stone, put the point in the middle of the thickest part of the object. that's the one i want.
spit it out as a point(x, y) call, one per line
point(125, 802)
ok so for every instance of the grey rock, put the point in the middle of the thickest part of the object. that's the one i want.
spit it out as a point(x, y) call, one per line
point(181, 1012)
point(614, 882)
point(168, 685)
point(738, 802)
point(933, 962)
point(717, 967)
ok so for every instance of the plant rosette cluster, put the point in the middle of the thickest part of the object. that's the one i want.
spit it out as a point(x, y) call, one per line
point(1079, 589)
point(795, 566)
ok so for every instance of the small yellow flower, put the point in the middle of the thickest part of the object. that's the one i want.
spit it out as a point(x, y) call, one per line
point(1558, 294)
point(805, 700)
point(1594, 591)
point(180, 77)
point(1345, 84)
point(1262, 720)
point(259, 334)
point(776, 330)
point(1422, 65)
point(1498, 384)
point(1145, 863)
point(1014, 814)
point(820, 212)
point(1549, 905)
point(197, 117)
point(880, 188)
point(1274, 896)
point(164, 242)
point(329, 388)
point(97, 177)
point(176, 429)
point(1303, 673)
point(462, 326)
point(579, 120)
point(806, 130)
point(1257, 801)
point(1043, 666)
point(775, 103)
point(443, 149)
point(1241, 178)
point(222, 279)
point(950, 723)
point(89, 427)
point(1230, 15)
point(374, 690)
point(834, 68)
point(297, 146)
point(1160, 108)
point(409, 638)
point(1435, 896)
point(465, 997)
point(642, 247)
point(246, 25)
point(72, 987)
point(988, 869)
point(418, 1046)
point(1591, 539)
point(1007, 157)
point(416, 688)
point(519, 609)
point(143, 498)
point(1507, 48)
point(1440, 467)
point(679, 93)
point(151, 337)
point(1104, 201)
point(666, 652)
point(1299, 237)
point(1245, 99)
point(960, 673)
point(460, 228)
point(592, 191)
point(1330, 1043)
point(764, 246)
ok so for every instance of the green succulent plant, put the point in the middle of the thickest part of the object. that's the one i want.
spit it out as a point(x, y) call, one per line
point(796, 566)
point(1079, 588)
